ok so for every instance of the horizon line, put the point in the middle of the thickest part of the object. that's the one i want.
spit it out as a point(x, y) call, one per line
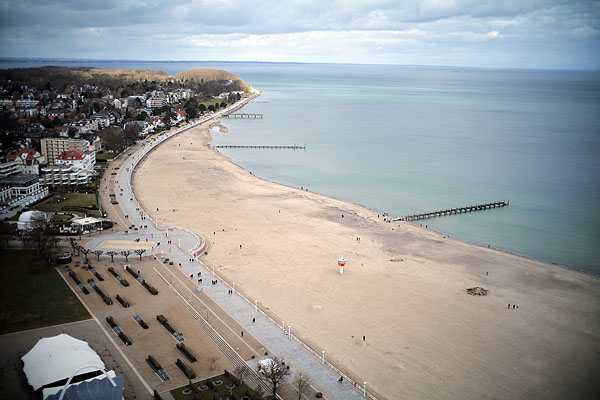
point(9, 58)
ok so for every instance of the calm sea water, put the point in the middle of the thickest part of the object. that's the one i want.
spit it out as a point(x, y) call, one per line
point(404, 140)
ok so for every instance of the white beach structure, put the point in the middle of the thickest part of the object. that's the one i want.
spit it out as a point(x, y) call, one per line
point(58, 360)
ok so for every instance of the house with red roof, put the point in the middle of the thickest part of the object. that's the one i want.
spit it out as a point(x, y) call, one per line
point(28, 160)
point(85, 160)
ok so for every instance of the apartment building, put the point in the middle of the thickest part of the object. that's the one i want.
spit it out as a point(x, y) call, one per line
point(53, 147)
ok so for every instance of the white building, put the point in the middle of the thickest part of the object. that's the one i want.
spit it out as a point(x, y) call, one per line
point(64, 175)
point(77, 158)
point(28, 160)
point(55, 361)
point(156, 102)
point(19, 190)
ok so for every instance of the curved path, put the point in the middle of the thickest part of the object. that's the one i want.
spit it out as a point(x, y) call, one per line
point(182, 246)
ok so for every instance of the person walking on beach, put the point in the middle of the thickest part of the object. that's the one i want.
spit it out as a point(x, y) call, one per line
point(242, 333)
point(509, 306)
point(253, 320)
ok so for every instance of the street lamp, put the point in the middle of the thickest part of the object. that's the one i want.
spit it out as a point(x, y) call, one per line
point(323, 356)
point(364, 389)
point(290, 331)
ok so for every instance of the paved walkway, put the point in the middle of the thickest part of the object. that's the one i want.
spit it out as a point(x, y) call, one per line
point(322, 377)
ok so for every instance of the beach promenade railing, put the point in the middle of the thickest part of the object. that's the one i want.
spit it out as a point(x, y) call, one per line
point(272, 318)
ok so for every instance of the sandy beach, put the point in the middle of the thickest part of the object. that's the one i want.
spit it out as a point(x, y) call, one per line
point(403, 289)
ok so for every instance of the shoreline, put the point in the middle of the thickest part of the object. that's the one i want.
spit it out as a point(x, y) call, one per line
point(513, 253)
point(419, 277)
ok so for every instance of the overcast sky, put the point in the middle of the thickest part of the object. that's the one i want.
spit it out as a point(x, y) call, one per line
point(485, 33)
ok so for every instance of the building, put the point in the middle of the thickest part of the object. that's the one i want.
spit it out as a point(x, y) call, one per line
point(64, 175)
point(9, 168)
point(88, 224)
point(102, 119)
point(85, 160)
point(53, 147)
point(28, 160)
point(19, 190)
point(156, 102)
point(57, 361)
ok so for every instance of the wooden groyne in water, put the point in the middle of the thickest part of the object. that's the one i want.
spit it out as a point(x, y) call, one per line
point(259, 146)
point(451, 211)
point(243, 115)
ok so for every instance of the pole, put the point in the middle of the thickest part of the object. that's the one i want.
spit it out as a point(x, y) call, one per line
point(323, 356)
point(213, 271)
point(255, 305)
point(233, 290)
point(179, 243)
point(283, 326)
point(364, 389)
point(290, 331)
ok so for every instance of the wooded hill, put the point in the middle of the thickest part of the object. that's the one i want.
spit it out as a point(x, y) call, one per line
point(64, 77)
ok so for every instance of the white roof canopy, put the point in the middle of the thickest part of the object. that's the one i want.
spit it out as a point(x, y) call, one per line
point(86, 221)
point(56, 358)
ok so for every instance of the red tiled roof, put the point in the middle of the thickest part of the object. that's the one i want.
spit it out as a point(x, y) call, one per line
point(25, 154)
point(72, 155)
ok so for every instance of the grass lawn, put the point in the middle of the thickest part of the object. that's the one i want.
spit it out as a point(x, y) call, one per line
point(104, 157)
point(33, 294)
point(221, 390)
point(70, 202)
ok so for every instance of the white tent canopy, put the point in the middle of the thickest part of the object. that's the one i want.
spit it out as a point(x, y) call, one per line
point(56, 358)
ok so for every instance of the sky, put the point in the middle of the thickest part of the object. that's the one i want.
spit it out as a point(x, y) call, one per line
point(549, 34)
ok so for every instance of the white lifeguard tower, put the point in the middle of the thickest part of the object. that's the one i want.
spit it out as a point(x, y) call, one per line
point(341, 263)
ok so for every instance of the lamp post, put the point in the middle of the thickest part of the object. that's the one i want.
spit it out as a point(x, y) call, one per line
point(290, 331)
point(283, 326)
point(323, 356)
point(364, 389)
point(233, 290)
point(255, 305)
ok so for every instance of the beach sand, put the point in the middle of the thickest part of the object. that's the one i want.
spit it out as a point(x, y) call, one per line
point(403, 288)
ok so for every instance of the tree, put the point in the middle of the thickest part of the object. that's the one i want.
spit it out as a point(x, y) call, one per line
point(201, 108)
point(140, 252)
point(302, 382)
point(86, 252)
point(39, 234)
point(7, 231)
point(73, 244)
point(98, 253)
point(112, 255)
point(126, 254)
point(191, 112)
point(273, 371)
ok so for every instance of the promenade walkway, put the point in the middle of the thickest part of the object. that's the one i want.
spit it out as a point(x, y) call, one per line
point(183, 243)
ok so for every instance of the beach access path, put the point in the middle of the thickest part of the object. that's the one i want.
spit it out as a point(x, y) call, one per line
point(179, 250)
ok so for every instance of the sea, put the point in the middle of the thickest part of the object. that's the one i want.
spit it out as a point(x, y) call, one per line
point(403, 140)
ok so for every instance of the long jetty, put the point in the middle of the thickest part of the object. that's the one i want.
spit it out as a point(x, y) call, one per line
point(243, 115)
point(450, 211)
point(260, 146)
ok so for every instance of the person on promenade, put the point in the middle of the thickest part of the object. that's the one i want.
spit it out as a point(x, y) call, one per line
point(509, 306)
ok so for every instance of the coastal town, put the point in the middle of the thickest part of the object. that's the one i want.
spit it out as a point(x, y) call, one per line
point(55, 139)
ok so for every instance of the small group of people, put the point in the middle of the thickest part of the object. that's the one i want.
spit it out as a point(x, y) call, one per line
point(513, 306)
point(230, 291)
point(214, 282)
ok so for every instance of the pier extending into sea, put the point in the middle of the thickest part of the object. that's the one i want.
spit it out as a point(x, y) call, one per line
point(243, 115)
point(459, 210)
point(258, 146)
